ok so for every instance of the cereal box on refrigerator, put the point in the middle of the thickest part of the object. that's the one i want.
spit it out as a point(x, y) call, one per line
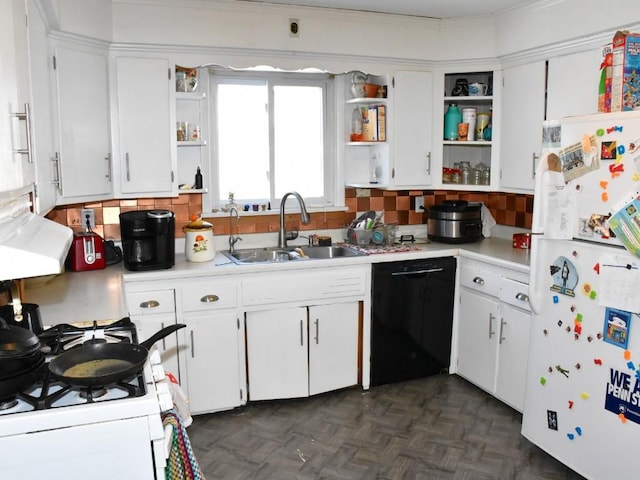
point(625, 81)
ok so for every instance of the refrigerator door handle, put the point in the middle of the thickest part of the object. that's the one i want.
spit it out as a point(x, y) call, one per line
point(535, 277)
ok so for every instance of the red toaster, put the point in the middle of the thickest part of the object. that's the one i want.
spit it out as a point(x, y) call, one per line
point(86, 253)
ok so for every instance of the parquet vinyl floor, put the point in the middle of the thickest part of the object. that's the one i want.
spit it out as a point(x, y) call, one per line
point(435, 428)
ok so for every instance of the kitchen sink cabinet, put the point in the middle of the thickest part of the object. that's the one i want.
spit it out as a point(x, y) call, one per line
point(83, 134)
point(212, 356)
point(523, 109)
point(300, 351)
point(144, 127)
point(493, 330)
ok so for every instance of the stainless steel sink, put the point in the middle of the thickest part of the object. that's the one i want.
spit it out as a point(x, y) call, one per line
point(275, 254)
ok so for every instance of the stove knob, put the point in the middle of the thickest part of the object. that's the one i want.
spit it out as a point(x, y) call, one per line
point(164, 396)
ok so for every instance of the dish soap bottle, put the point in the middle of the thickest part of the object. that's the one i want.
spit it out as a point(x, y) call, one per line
point(198, 180)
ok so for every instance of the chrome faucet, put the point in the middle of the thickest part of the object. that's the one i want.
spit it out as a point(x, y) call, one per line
point(233, 239)
point(283, 235)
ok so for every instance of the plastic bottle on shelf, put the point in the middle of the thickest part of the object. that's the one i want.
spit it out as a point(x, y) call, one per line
point(451, 120)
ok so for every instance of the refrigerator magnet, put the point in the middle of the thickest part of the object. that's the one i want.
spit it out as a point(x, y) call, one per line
point(564, 275)
point(616, 327)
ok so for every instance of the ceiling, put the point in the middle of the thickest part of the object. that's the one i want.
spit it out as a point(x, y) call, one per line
point(420, 8)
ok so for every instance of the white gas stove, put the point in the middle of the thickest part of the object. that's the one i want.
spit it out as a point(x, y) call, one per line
point(53, 429)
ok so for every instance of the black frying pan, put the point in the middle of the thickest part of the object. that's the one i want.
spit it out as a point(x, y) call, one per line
point(104, 364)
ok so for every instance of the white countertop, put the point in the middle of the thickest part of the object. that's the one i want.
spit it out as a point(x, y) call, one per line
point(97, 295)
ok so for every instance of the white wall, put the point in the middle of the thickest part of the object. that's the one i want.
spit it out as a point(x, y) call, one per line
point(335, 38)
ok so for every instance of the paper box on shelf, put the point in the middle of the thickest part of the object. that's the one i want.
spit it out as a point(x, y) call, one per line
point(604, 88)
point(625, 81)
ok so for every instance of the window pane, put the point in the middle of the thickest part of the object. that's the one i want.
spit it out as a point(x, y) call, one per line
point(298, 140)
point(243, 141)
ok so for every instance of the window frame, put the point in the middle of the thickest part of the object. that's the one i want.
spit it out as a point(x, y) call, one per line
point(278, 78)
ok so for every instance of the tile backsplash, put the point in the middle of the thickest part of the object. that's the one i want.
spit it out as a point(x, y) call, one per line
point(510, 209)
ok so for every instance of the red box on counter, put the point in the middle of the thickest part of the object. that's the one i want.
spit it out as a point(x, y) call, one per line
point(522, 240)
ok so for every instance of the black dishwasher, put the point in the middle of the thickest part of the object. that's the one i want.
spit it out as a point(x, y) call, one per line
point(411, 318)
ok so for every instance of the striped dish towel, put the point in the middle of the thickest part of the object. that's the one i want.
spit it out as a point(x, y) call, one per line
point(182, 463)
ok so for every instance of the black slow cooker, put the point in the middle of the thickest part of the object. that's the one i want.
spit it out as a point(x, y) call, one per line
point(455, 221)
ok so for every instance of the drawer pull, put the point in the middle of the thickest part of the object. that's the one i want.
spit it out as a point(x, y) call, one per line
point(522, 296)
point(150, 304)
point(478, 281)
point(210, 298)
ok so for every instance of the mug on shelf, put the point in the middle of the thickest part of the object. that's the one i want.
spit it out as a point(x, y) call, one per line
point(478, 89)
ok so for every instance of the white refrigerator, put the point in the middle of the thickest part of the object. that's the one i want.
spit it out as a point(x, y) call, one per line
point(582, 402)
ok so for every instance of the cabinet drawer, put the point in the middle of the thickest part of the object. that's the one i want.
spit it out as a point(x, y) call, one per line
point(150, 303)
point(480, 280)
point(302, 286)
point(209, 296)
point(515, 293)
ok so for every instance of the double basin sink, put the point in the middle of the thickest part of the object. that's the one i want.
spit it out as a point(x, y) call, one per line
point(288, 254)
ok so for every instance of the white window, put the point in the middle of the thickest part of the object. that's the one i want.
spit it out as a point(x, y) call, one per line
point(272, 135)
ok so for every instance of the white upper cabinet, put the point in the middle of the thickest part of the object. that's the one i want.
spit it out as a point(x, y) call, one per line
point(470, 162)
point(523, 108)
point(82, 94)
point(412, 129)
point(401, 157)
point(17, 170)
point(145, 127)
point(572, 86)
point(43, 118)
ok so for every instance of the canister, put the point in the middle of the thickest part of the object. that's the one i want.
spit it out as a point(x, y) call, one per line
point(198, 241)
point(469, 116)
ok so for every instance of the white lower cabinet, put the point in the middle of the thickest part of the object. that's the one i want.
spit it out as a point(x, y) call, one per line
point(290, 342)
point(301, 351)
point(493, 330)
point(213, 363)
point(211, 346)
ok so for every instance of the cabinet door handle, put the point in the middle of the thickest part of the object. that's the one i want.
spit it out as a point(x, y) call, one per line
point(193, 347)
point(317, 338)
point(502, 324)
point(534, 161)
point(210, 298)
point(150, 304)
point(26, 116)
point(478, 281)
point(522, 297)
point(108, 159)
point(491, 332)
point(56, 170)
point(126, 161)
point(429, 163)
point(164, 345)
point(301, 335)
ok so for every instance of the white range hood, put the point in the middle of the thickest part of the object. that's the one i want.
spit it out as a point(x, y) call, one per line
point(30, 245)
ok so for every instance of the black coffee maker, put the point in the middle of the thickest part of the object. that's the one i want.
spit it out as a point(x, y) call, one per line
point(148, 239)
